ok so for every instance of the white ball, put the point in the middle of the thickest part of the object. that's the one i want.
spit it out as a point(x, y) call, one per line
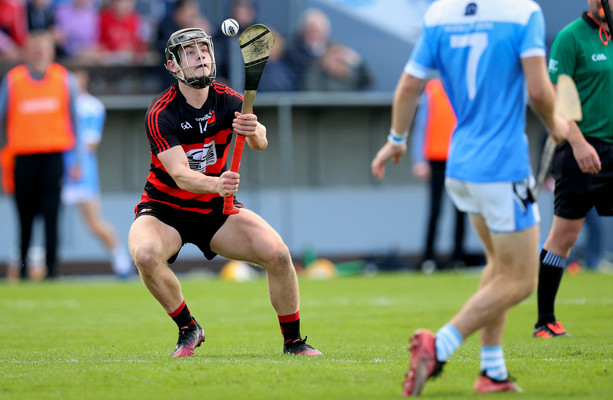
point(229, 27)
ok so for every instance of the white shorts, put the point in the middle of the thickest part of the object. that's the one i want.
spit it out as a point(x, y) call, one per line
point(504, 205)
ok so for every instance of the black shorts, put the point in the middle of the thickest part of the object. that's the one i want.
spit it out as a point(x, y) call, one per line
point(576, 192)
point(194, 227)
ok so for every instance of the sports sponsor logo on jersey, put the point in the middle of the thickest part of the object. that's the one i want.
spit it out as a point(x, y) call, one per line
point(39, 105)
point(599, 57)
point(185, 125)
point(553, 65)
point(198, 159)
point(207, 119)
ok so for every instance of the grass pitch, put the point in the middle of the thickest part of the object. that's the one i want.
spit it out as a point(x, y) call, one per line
point(102, 339)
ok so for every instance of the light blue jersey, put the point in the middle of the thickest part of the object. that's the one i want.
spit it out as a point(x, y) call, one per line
point(91, 116)
point(477, 46)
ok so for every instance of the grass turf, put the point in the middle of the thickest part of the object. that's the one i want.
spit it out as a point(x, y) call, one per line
point(102, 339)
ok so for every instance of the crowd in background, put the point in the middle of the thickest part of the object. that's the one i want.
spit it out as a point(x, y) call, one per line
point(99, 33)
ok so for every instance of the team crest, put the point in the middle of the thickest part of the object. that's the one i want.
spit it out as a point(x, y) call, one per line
point(199, 159)
point(471, 9)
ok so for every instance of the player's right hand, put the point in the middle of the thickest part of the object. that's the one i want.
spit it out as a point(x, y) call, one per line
point(422, 171)
point(227, 184)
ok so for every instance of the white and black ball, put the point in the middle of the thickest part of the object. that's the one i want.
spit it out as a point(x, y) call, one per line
point(229, 27)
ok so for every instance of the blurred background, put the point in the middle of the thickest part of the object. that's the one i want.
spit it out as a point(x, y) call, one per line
point(326, 104)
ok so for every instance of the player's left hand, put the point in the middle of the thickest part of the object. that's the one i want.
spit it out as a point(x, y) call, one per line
point(587, 157)
point(245, 124)
point(388, 152)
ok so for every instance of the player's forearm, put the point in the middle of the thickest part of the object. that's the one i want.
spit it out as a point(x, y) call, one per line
point(405, 103)
point(541, 101)
point(196, 182)
point(259, 140)
point(575, 136)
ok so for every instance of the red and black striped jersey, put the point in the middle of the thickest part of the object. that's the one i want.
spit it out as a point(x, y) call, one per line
point(204, 134)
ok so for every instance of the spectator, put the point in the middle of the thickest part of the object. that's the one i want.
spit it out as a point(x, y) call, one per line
point(121, 33)
point(9, 51)
point(37, 108)
point(277, 76)
point(41, 16)
point(183, 15)
point(79, 41)
point(13, 29)
point(431, 134)
point(245, 13)
point(310, 43)
point(338, 69)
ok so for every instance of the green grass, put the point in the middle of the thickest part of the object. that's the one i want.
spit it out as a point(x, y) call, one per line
point(101, 339)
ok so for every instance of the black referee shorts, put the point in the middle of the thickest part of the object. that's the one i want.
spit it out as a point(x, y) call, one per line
point(576, 192)
point(194, 227)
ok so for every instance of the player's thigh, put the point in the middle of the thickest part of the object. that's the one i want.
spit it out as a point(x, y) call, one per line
point(248, 237)
point(150, 237)
point(482, 230)
point(516, 253)
point(505, 206)
point(484, 234)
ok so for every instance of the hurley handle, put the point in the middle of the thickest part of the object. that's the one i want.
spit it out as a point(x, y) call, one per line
point(237, 153)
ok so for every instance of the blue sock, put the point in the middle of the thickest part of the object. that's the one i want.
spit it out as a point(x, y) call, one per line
point(448, 339)
point(492, 362)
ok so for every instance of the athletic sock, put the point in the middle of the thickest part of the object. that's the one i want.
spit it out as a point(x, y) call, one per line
point(492, 362)
point(550, 275)
point(122, 264)
point(448, 339)
point(182, 316)
point(290, 326)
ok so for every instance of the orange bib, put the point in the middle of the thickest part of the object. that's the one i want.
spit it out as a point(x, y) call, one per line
point(440, 124)
point(38, 117)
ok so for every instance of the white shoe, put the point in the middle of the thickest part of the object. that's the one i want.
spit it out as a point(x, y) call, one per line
point(428, 267)
point(122, 265)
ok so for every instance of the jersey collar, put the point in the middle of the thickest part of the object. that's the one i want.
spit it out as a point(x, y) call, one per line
point(605, 37)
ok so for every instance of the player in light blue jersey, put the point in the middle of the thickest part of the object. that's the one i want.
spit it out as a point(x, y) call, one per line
point(491, 58)
point(83, 188)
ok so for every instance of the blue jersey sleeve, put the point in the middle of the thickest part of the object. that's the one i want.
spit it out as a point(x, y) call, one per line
point(422, 61)
point(533, 39)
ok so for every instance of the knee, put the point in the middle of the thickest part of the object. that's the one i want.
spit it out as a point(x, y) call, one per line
point(568, 239)
point(145, 257)
point(562, 241)
point(528, 287)
point(523, 288)
point(276, 257)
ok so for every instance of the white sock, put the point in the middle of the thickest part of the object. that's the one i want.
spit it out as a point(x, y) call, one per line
point(122, 264)
point(492, 362)
point(448, 339)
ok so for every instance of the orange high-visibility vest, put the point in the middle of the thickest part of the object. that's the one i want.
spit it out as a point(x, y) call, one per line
point(38, 112)
point(440, 124)
point(7, 164)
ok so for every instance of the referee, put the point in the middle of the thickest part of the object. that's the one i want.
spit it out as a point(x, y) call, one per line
point(582, 166)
